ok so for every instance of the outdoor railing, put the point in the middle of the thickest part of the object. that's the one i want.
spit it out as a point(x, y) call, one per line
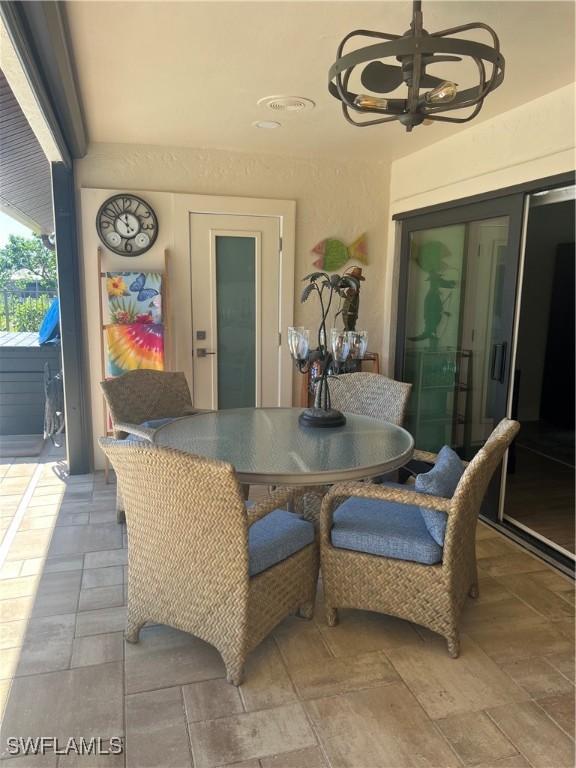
point(23, 309)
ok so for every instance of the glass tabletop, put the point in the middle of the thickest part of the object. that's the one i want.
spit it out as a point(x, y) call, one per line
point(268, 445)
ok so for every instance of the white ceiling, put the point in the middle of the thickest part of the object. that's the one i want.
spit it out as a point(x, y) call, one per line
point(190, 73)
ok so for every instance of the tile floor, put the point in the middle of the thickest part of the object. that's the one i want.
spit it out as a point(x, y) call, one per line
point(374, 692)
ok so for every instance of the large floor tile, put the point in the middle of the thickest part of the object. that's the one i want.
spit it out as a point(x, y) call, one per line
point(57, 593)
point(165, 657)
point(100, 621)
point(28, 544)
point(342, 674)
point(511, 563)
point(446, 686)
point(156, 733)
point(97, 649)
point(382, 727)
point(301, 642)
point(311, 757)
point(210, 699)
point(77, 539)
point(509, 641)
point(40, 645)
point(85, 701)
point(102, 577)
point(364, 631)
point(535, 735)
point(106, 558)
point(538, 677)
point(475, 738)
point(539, 597)
point(482, 614)
point(101, 597)
point(250, 735)
point(266, 681)
point(564, 663)
point(561, 709)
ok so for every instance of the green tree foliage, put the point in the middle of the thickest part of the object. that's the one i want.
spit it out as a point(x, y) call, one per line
point(27, 253)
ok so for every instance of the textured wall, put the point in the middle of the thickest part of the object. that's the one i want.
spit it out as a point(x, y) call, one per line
point(530, 142)
point(334, 199)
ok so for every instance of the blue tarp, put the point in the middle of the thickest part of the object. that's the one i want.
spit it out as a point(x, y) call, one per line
point(49, 332)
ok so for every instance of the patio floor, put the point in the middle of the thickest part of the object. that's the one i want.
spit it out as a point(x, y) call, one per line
point(374, 692)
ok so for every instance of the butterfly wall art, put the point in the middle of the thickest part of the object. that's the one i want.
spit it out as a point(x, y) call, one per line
point(134, 297)
point(135, 333)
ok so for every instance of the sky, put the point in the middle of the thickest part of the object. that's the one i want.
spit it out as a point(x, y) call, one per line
point(10, 226)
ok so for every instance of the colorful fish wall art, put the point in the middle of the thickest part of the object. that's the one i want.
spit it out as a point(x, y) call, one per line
point(135, 335)
point(333, 254)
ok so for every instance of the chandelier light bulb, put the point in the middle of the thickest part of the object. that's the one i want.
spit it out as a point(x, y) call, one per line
point(442, 94)
point(363, 101)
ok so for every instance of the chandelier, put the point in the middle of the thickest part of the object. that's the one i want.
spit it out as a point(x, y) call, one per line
point(428, 96)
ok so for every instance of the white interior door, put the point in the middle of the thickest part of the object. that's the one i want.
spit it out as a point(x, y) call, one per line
point(236, 289)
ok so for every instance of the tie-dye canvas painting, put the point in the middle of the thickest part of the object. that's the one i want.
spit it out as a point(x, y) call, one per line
point(134, 297)
point(133, 346)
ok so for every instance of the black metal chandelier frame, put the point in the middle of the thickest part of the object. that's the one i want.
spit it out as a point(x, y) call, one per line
point(411, 48)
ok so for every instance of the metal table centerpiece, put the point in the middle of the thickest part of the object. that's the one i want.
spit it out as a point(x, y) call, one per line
point(327, 360)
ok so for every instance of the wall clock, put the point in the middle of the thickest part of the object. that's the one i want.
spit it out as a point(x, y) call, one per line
point(127, 225)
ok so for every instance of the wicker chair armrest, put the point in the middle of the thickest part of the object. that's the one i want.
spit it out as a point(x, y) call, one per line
point(277, 500)
point(419, 455)
point(138, 430)
point(429, 457)
point(342, 491)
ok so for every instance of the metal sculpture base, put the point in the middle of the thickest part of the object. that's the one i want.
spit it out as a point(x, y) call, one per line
point(318, 417)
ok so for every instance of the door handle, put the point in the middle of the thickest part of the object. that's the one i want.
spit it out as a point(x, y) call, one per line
point(498, 361)
point(203, 352)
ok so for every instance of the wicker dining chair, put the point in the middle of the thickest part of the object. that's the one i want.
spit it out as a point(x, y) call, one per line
point(370, 394)
point(433, 594)
point(200, 561)
point(141, 396)
point(367, 394)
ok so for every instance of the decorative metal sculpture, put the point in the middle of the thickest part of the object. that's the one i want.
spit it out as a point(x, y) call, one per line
point(416, 50)
point(343, 345)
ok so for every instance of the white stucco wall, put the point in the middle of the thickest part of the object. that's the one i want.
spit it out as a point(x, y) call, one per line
point(338, 199)
point(533, 141)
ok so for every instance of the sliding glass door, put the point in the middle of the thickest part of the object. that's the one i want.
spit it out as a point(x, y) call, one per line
point(457, 297)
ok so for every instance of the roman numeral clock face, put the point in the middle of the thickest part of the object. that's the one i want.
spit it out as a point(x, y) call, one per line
point(127, 225)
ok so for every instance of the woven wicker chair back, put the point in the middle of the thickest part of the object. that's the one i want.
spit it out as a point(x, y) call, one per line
point(370, 394)
point(187, 530)
point(140, 395)
point(461, 527)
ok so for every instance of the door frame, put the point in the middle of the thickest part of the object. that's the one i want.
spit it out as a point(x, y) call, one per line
point(511, 206)
point(285, 211)
point(524, 189)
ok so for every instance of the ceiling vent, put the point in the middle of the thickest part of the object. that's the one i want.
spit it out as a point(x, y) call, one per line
point(286, 103)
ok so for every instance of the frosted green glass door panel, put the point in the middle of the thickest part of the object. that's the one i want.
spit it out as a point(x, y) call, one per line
point(455, 347)
point(236, 321)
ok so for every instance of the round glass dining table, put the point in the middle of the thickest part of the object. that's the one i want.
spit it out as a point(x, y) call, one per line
point(267, 446)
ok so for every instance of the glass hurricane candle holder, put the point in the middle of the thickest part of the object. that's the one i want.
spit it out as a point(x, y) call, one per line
point(340, 343)
point(358, 341)
point(299, 343)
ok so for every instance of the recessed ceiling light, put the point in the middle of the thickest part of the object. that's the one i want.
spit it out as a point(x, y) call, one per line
point(266, 124)
point(286, 103)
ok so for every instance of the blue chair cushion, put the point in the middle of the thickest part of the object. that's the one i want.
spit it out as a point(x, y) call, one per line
point(384, 528)
point(441, 480)
point(275, 537)
point(155, 423)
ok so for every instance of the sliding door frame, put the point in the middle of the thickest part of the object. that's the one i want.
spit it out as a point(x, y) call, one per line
point(451, 212)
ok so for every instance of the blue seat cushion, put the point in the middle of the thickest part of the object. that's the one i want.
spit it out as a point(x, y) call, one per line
point(275, 537)
point(441, 480)
point(155, 423)
point(384, 528)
